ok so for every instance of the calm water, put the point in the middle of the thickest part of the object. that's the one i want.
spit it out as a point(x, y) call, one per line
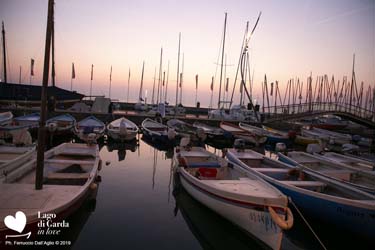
point(137, 207)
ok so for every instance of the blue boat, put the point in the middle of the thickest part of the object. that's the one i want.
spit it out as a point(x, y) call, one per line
point(320, 198)
point(361, 179)
point(30, 120)
point(62, 124)
point(89, 129)
point(275, 136)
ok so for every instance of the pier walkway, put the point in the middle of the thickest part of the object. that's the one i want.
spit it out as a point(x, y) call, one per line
point(306, 110)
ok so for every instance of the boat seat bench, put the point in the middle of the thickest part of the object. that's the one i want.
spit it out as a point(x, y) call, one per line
point(271, 170)
point(51, 161)
point(341, 174)
point(68, 175)
point(305, 184)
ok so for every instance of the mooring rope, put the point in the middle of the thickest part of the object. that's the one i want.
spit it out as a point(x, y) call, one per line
point(308, 225)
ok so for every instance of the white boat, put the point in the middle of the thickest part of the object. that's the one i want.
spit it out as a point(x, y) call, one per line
point(69, 178)
point(273, 136)
point(12, 157)
point(5, 118)
point(326, 135)
point(330, 122)
point(89, 129)
point(157, 131)
point(316, 196)
point(61, 125)
point(355, 162)
point(122, 129)
point(364, 180)
point(253, 129)
point(236, 113)
point(237, 195)
point(243, 134)
point(210, 131)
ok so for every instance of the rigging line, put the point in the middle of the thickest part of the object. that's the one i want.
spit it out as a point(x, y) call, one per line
point(222, 60)
point(218, 54)
point(238, 65)
point(308, 225)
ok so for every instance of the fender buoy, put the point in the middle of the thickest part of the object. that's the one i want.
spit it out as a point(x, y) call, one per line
point(93, 186)
point(283, 224)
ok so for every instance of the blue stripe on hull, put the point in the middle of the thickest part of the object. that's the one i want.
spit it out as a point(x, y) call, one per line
point(285, 160)
point(357, 220)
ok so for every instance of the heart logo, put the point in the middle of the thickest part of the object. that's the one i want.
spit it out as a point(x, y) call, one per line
point(17, 223)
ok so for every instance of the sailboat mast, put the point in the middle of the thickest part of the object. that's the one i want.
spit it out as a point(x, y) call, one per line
point(53, 51)
point(166, 85)
point(159, 78)
point(19, 79)
point(4, 54)
point(127, 93)
point(43, 113)
point(181, 77)
point(222, 60)
point(110, 83)
point(178, 67)
point(239, 63)
point(141, 87)
point(153, 88)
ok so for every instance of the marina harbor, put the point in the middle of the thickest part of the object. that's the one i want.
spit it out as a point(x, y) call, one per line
point(232, 154)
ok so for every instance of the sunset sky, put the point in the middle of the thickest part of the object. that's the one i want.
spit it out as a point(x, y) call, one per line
point(293, 38)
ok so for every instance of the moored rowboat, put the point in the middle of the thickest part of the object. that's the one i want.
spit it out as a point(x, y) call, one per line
point(70, 172)
point(355, 162)
point(235, 194)
point(12, 157)
point(317, 197)
point(243, 134)
point(61, 125)
point(364, 180)
point(89, 129)
point(157, 131)
point(5, 118)
point(122, 129)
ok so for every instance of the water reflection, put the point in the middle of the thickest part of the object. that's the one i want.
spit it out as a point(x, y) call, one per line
point(122, 147)
point(77, 222)
point(139, 206)
point(209, 228)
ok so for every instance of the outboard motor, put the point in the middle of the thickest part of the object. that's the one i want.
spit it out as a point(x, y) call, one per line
point(52, 127)
point(171, 133)
point(201, 134)
point(122, 128)
point(331, 140)
point(280, 147)
point(184, 142)
point(239, 144)
point(91, 138)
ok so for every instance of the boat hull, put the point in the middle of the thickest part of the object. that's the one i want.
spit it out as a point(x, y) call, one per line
point(348, 215)
point(251, 219)
point(367, 178)
point(115, 135)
